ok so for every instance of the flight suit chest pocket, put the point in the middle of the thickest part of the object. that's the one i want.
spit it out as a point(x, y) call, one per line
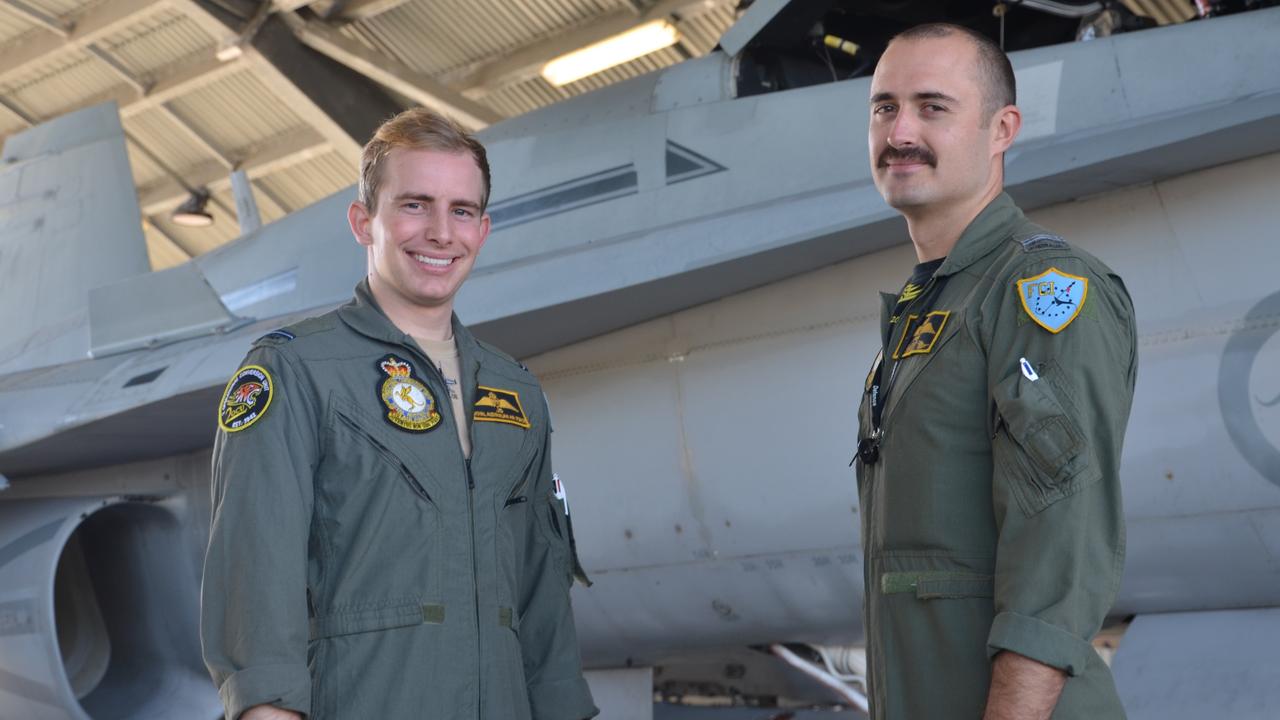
point(1039, 448)
point(361, 451)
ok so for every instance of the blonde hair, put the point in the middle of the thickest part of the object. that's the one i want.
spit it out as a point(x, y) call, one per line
point(416, 129)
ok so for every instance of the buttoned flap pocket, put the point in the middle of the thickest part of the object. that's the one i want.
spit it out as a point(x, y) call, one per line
point(389, 617)
point(1039, 449)
point(938, 584)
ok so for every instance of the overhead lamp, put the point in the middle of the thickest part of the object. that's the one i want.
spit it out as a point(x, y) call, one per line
point(191, 212)
point(623, 47)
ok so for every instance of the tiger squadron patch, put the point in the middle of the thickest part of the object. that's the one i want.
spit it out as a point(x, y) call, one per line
point(245, 399)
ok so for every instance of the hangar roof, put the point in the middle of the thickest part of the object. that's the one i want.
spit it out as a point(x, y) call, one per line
point(289, 89)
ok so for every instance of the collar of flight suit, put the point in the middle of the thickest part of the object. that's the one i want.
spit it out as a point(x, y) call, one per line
point(364, 316)
point(990, 229)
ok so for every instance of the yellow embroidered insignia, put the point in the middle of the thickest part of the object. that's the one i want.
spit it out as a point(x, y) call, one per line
point(1053, 298)
point(498, 405)
point(246, 398)
point(410, 405)
point(923, 334)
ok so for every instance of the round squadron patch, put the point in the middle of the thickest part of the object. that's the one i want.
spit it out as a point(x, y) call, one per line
point(410, 405)
point(246, 398)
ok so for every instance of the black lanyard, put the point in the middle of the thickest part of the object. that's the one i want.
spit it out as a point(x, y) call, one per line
point(869, 447)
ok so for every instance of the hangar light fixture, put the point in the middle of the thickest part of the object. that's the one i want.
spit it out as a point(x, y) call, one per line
point(191, 212)
point(624, 47)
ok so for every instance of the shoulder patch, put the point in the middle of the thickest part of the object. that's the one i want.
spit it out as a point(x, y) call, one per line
point(1042, 241)
point(275, 337)
point(245, 399)
point(1053, 298)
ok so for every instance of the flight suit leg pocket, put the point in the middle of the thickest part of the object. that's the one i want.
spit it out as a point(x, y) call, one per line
point(1039, 450)
point(936, 612)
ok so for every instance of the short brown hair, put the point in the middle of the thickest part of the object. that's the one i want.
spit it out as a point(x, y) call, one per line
point(416, 129)
point(1000, 88)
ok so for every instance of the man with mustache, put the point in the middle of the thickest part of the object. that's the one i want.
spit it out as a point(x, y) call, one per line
point(991, 421)
point(388, 539)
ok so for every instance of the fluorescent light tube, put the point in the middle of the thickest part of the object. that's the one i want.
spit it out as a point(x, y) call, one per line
point(624, 47)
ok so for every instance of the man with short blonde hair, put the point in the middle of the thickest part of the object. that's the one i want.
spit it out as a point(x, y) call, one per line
point(388, 540)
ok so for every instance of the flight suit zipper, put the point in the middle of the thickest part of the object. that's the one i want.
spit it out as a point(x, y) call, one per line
point(475, 583)
point(869, 448)
point(447, 407)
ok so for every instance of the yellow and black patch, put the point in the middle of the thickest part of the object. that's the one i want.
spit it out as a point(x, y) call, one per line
point(245, 399)
point(498, 405)
point(920, 334)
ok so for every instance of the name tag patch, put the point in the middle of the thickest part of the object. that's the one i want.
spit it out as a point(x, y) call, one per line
point(410, 405)
point(920, 334)
point(498, 405)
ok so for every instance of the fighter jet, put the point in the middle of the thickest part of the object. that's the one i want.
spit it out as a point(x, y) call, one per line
point(690, 261)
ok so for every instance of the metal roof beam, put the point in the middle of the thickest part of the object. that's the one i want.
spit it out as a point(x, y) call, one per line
point(180, 78)
point(350, 10)
point(392, 74)
point(17, 112)
point(183, 77)
point(273, 155)
point(118, 68)
point(342, 105)
point(38, 16)
point(527, 62)
point(200, 139)
point(86, 28)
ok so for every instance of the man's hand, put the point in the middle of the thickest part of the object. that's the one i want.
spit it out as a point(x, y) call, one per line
point(269, 712)
point(1022, 689)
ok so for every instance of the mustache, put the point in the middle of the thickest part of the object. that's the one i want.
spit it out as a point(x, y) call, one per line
point(911, 154)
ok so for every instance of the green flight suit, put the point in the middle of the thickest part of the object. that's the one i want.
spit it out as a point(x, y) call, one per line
point(991, 518)
point(359, 566)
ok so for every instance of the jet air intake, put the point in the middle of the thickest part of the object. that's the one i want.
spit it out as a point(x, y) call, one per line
point(98, 613)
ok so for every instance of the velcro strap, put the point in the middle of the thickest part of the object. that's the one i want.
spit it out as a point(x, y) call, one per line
point(929, 584)
point(372, 620)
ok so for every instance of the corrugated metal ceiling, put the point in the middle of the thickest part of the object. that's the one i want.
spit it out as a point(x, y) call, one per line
point(238, 115)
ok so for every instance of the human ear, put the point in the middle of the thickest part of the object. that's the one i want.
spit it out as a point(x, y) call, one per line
point(1005, 127)
point(358, 217)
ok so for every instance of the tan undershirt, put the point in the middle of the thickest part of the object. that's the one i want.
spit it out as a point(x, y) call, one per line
point(444, 353)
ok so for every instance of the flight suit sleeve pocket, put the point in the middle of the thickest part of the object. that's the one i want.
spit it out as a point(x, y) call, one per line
point(560, 535)
point(1038, 445)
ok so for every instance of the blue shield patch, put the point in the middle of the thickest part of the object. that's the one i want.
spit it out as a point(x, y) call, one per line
point(1053, 298)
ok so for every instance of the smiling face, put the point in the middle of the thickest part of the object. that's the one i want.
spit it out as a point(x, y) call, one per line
point(425, 231)
point(932, 139)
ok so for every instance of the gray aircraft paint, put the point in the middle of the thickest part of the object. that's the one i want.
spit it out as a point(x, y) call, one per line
point(1238, 402)
point(714, 501)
